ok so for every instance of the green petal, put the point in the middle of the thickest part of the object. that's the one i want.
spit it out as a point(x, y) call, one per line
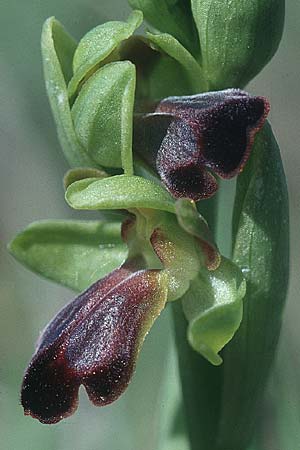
point(118, 192)
point(103, 115)
point(57, 52)
point(173, 17)
point(169, 45)
point(72, 253)
point(97, 46)
point(192, 222)
point(213, 307)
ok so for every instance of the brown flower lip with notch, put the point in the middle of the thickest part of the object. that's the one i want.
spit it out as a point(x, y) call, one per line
point(187, 137)
point(94, 341)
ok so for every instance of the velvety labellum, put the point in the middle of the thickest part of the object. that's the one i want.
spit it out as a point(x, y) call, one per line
point(213, 131)
point(93, 341)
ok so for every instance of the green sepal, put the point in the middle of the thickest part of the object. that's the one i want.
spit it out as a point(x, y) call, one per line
point(81, 173)
point(159, 75)
point(172, 17)
point(118, 192)
point(71, 253)
point(57, 51)
point(192, 222)
point(171, 47)
point(99, 46)
point(103, 115)
point(214, 308)
point(237, 38)
point(261, 250)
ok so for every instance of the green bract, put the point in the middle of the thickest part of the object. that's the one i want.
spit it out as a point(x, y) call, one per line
point(158, 73)
point(261, 250)
point(237, 38)
point(103, 115)
point(72, 253)
point(97, 46)
point(171, 16)
point(213, 307)
point(171, 47)
point(118, 192)
point(57, 50)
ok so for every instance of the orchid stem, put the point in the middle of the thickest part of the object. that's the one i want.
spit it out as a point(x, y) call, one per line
point(201, 382)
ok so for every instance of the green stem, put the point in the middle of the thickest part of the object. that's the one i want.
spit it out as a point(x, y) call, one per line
point(201, 382)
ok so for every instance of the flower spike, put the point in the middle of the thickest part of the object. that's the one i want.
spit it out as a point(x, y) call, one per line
point(94, 341)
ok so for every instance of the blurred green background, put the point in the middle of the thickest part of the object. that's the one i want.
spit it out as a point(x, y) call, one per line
point(32, 167)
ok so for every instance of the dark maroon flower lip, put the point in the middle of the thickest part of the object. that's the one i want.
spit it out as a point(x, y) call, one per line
point(94, 341)
point(190, 136)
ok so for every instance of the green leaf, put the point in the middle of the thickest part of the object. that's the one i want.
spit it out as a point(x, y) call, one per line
point(57, 51)
point(81, 173)
point(192, 222)
point(72, 253)
point(169, 45)
point(261, 250)
point(213, 306)
point(98, 45)
point(118, 192)
point(103, 115)
point(237, 38)
point(173, 17)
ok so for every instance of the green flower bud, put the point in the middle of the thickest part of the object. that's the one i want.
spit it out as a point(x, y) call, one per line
point(237, 38)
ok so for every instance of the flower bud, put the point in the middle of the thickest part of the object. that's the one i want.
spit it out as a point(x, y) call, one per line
point(237, 38)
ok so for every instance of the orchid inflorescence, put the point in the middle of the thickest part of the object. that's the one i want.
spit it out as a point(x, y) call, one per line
point(106, 99)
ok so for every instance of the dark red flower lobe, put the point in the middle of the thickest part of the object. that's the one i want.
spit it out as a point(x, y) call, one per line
point(212, 131)
point(93, 341)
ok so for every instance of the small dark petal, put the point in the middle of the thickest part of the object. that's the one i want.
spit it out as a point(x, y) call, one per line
point(94, 341)
point(224, 124)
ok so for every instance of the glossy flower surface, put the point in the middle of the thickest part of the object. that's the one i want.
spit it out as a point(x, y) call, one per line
point(93, 341)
